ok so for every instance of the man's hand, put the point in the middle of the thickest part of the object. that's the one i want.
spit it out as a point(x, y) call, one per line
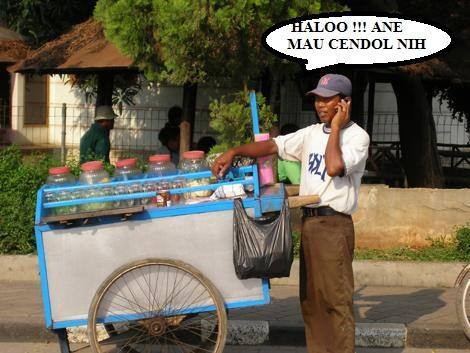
point(341, 117)
point(222, 164)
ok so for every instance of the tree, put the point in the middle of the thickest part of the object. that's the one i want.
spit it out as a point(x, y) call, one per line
point(413, 87)
point(42, 20)
point(187, 42)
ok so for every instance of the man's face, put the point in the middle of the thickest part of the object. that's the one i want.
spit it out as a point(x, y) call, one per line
point(108, 124)
point(326, 107)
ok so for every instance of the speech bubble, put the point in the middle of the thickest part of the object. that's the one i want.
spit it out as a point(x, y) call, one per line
point(356, 39)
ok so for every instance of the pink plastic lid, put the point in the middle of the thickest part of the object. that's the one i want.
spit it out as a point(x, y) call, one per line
point(159, 158)
point(131, 162)
point(59, 170)
point(193, 154)
point(93, 165)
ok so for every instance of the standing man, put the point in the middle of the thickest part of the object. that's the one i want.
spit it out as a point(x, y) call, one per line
point(95, 143)
point(333, 156)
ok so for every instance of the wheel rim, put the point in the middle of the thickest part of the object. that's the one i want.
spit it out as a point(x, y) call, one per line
point(157, 306)
point(466, 303)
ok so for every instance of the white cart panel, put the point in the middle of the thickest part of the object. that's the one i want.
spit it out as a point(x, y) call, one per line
point(79, 259)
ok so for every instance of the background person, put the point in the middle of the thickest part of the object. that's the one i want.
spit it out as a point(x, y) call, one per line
point(169, 137)
point(205, 144)
point(95, 143)
point(175, 114)
point(288, 171)
point(333, 154)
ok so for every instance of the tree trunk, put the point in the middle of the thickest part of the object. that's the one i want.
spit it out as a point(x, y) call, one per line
point(104, 94)
point(417, 133)
point(189, 113)
point(359, 83)
point(275, 89)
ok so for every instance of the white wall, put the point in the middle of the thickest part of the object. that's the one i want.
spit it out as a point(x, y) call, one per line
point(21, 134)
point(138, 126)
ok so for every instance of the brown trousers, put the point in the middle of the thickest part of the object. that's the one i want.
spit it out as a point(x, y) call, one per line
point(327, 284)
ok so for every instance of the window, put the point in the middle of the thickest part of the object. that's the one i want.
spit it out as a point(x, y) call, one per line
point(35, 100)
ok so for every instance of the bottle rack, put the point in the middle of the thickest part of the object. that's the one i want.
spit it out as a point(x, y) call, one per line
point(247, 176)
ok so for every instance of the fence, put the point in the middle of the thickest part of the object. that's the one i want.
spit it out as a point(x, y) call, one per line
point(448, 130)
point(135, 130)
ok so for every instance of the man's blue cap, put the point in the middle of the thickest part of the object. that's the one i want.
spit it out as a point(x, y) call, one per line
point(331, 84)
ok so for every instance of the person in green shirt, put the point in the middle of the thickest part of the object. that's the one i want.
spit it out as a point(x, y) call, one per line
point(288, 171)
point(95, 143)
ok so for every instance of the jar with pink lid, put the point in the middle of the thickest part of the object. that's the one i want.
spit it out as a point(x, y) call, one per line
point(192, 162)
point(126, 169)
point(93, 173)
point(60, 176)
point(161, 165)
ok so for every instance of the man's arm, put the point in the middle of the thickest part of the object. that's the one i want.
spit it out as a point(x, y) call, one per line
point(254, 149)
point(333, 155)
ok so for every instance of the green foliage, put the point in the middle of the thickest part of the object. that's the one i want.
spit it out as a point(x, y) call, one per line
point(230, 117)
point(20, 178)
point(125, 88)
point(43, 20)
point(296, 243)
point(439, 249)
point(462, 237)
point(186, 41)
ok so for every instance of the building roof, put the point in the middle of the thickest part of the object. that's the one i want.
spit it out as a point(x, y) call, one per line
point(12, 46)
point(83, 49)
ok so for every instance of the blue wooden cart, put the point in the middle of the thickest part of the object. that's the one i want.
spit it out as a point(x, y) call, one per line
point(147, 279)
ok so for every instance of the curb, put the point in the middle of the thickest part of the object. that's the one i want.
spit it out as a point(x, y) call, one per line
point(375, 335)
point(370, 273)
point(424, 336)
point(393, 274)
point(259, 332)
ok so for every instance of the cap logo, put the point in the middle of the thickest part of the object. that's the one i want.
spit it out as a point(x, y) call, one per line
point(324, 81)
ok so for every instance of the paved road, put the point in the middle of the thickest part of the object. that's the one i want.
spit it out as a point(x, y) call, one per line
point(8, 347)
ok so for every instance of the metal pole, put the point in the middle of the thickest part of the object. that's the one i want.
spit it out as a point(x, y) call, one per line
point(62, 143)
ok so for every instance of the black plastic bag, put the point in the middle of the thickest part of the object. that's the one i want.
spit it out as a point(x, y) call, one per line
point(262, 248)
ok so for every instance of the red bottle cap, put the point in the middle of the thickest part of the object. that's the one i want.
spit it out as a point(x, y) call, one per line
point(193, 154)
point(59, 170)
point(159, 158)
point(131, 162)
point(93, 165)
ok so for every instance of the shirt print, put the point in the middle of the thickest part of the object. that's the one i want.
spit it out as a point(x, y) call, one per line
point(316, 165)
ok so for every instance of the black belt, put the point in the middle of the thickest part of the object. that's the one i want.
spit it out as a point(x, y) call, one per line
point(320, 211)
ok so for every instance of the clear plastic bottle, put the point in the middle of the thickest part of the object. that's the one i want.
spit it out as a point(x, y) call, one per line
point(192, 162)
point(60, 176)
point(93, 173)
point(161, 165)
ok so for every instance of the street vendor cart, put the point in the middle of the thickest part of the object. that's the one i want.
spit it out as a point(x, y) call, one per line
point(147, 279)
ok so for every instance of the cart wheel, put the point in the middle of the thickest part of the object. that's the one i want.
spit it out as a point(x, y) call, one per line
point(157, 305)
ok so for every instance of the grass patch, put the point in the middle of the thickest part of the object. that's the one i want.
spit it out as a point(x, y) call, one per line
point(439, 250)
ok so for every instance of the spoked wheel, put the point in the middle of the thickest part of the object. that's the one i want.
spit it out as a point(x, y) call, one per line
point(463, 304)
point(157, 305)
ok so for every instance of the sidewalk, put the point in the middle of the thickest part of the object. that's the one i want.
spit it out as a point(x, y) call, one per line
point(428, 314)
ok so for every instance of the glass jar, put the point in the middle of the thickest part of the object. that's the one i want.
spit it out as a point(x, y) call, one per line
point(60, 176)
point(93, 173)
point(126, 169)
point(161, 165)
point(192, 162)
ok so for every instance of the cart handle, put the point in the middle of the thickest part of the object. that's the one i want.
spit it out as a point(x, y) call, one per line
point(299, 201)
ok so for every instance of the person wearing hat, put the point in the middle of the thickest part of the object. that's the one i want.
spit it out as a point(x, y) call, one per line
point(333, 156)
point(95, 143)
